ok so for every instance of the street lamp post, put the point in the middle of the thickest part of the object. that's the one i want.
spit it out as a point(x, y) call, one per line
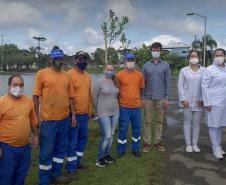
point(39, 39)
point(204, 43)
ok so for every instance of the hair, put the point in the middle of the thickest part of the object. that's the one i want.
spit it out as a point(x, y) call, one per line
point(156, 45)
point(192, 51)
point(114, 78)
point(219, 49)
point(13, 76)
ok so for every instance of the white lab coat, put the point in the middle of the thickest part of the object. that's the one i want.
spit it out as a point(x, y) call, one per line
point(189, 87)
point(214, 94)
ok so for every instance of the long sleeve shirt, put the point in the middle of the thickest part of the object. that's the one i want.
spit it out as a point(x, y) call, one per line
point(157, 80)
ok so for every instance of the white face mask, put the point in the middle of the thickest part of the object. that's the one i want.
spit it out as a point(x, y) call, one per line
point(155, 54)
point(218, 60)
point(16, 91)
point(130, 65)
point(194, 60)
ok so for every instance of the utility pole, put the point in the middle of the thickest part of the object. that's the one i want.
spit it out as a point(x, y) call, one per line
point(39, 39)
point(2, 51)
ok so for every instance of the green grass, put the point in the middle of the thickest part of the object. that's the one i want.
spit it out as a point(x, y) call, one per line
point(128, 170)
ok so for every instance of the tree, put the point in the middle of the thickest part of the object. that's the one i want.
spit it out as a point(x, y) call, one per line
point(142, 54)
point(99, 56)
point(113, 30)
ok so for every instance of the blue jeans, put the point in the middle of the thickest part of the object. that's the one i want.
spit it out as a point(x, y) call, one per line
point(107, 127)
point(127, 115)
point(78, 138)
point(53, 148)
point(14, 164)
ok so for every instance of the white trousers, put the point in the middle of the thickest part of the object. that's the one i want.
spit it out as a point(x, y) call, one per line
point(191, 119)
point(215, 136)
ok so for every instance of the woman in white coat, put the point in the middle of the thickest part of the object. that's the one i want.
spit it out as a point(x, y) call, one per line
point(214, 96)
point(190, 99)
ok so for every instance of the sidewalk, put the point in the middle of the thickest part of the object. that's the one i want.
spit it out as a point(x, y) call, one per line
point(189, 168)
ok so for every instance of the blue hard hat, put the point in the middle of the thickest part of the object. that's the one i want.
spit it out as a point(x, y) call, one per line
point(56, 53)
point(129, 56)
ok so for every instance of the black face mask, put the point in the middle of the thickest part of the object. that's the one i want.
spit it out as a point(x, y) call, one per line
point(81, 65)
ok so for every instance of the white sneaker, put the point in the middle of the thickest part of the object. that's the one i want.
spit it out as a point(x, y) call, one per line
point(217, 153)
point(222, 151)
point(189, 149)
point(196, 148)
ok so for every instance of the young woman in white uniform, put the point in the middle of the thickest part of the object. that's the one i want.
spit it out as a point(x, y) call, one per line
point(214, 96)
point(190, 99)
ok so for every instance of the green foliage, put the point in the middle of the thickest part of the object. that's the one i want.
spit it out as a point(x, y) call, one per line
point(99, 56)
point(142, 54)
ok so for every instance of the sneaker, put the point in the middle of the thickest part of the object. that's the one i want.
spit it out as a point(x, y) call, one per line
point(189, 149)
point(101, 163)
point(109, 159)
point(136, 154)
point(146, 148)
point(196, 148)
point(120, 155)
point(217, 153)
point(60, 180)
point(222, 151)
point(160, 147)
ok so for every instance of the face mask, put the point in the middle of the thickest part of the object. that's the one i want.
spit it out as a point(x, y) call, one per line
point(218, 60)
point(155, 54)
point(16, 91)
point(130, 65)
point(109, 74)
point(81, 65)
point(194, 60)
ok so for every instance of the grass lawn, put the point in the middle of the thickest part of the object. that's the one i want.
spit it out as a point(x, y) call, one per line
point(128, 170)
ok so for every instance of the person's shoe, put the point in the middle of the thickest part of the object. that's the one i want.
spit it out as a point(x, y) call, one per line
point(82, 167)
point(137, 154)
point(222, 151)
point(109, 159)
point(146, 148)
point(60, 180)
point(72, 176)
point(120, 155)
point(160, 147)
point(189, 149)
point(196, 148)
point(101, 163)
point(217, 153)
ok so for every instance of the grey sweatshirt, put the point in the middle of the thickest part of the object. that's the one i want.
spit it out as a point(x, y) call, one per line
point(105, 98)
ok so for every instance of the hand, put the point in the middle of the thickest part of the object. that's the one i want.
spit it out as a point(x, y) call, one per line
point(200, 104)
point(185, 104)
point(209, 108)
point(35, 141)
point(165, 104)
point(73, 121)
point(142, 103)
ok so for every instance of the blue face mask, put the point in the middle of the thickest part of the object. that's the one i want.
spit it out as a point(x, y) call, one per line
point(109, 74)
point(81, 65)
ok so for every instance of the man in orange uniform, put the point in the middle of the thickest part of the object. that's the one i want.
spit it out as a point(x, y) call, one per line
point(131, 83)
point(17, 119)
point(81, 81)
point(52, 93)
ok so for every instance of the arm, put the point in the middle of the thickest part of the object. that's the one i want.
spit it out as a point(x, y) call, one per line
point(181, 93)
point(95, 94)
point(167, 87)
point(34, 127)
point(72, 111)
point(90, 101)
point(144, 79)
point(36, 107)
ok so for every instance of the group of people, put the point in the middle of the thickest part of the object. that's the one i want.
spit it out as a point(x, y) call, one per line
point(203, 90)
point(63, 103)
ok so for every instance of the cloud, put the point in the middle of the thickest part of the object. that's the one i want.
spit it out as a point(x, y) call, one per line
point(18, 13)
point(92, 37)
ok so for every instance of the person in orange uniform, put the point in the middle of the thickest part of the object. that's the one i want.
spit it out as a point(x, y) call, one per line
point(51, 95)
point(78, 137)
point(17, 120)
point(131, 83)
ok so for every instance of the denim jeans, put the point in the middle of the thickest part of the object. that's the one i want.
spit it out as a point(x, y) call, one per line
point(107, 127)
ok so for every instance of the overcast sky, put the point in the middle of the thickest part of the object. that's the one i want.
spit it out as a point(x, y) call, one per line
point(75, 24)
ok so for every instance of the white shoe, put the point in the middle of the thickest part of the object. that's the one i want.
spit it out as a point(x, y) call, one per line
point(189, 149)
point(196, 148)
point(222, 151)
point(217, 153)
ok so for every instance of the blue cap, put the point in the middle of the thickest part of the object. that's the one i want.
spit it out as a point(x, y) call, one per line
point(129, 56)
point(56, 53)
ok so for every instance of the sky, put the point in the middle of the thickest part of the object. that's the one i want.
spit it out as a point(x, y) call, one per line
point(75, 24)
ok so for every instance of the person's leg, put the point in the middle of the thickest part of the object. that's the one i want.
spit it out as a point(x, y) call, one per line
point(105, 129)
point(23, 155)
point(136, 123)
point(7, 164)
point(187, 126)
point(60, 148)
point(124, 120)
point(48, 131)
point(82, 136)
point(71, 149)
point(213, 133)
point(148, 120)
point(196, 119)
